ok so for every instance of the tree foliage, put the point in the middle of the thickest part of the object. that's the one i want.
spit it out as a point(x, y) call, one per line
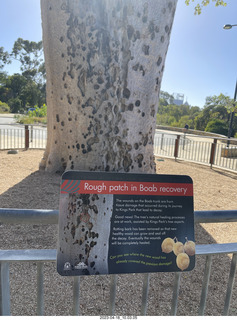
point(199, 6)
point(30, 55)
point(20, 91)
point(213, 117)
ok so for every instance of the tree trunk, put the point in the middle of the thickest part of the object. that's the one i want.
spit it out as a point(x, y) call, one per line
point(104, 64)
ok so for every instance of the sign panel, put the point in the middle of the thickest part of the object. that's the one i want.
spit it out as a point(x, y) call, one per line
point(125, 223)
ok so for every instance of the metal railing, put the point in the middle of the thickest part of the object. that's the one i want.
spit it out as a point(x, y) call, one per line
point(204, 150)
point(41, 256)
point(24, 137)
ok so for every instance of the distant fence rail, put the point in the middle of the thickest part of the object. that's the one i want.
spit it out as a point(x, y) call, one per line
point(25, 137)
point(41, 256)
point(213, 151)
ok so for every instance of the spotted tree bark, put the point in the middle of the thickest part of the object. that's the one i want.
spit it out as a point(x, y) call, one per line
point(104, 64)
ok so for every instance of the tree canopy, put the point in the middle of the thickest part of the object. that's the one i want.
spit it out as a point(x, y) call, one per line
point(204, 3)
point(213, 117)
point(21, 90)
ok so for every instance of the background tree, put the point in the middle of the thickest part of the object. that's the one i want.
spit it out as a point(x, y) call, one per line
point(20, 91)
point(217, 126)
point(4, 58)
point(216, 108)
point(30, 55)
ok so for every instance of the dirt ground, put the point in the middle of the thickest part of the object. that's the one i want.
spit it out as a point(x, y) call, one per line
point(22, 185)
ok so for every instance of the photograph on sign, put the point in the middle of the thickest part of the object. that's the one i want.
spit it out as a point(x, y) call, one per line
point(113, 223)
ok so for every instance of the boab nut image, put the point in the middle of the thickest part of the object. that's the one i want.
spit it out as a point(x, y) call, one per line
point(182, 251)
point(111, 223)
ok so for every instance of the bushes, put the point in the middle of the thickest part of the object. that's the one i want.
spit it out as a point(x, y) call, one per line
point(39, 115)
point(217, 126)
point(4, 107)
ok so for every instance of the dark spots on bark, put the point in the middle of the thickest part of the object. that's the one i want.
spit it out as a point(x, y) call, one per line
point(100, 80)
point(136, 146)
point(130, 31)
point(115, 109)
point(96, 87)
point(78, 146)
point(61, 39)
point(145, 49)
point(170, 6)
point(62, 123)
point(73, 231)
point(159, 61)
point(152, 30)
point(116, 130)
point(145, 140)
point(127, 161)
point(167, 29)
point(137, 103)
point(71, 72)
point(130, 107)
point(126, 93)
point(152, 113)
point(162, 39)
point(82, 82)
point(144, 19)
point(139, 159)
point(57, 118)
point(143, 114)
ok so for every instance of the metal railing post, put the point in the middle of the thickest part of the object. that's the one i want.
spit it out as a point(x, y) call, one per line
point(174, 304)
point(176, 149)
point(27, 137)
point(4, 289)
point(146, 280)
point(40, 289)
point(230, 284)
point(76, 296)
point(205, 285)
point(213, 152)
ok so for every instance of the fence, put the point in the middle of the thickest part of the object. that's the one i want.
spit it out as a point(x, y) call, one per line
point(205, 150)
point(42, 256)
point(25, 137)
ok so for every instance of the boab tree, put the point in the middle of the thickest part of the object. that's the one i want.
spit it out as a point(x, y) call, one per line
point(104, 64)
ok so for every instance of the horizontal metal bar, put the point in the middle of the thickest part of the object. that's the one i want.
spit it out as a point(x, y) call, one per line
point(51, 254)
point(28, 255)
point(28, 216)
point(39, 216)
point(215, 216)
point(216, 248)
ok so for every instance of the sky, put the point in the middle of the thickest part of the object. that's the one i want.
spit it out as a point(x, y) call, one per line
point(201, 59)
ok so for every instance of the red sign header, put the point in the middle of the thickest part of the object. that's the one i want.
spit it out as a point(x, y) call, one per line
point(126, 187)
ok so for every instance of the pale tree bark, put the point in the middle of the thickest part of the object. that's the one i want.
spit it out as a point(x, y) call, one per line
point(104, 64)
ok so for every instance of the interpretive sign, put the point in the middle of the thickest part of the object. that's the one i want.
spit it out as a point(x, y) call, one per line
point(125, 223)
